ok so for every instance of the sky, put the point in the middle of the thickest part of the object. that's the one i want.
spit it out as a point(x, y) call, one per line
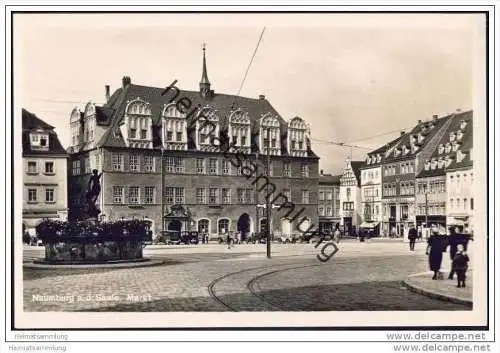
point(349, 76)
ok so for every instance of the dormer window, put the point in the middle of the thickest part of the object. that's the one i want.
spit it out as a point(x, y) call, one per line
point(441, 149)
point(460, 135)
point(239, 129)
point(379, 158)
point(452, 136)
point(207, 130)
point(39, 141)
point(440, 163)
point(434, 164)
point(427, 165)
point(270, 142)
point(368, 160)
point(413, 139)
point(397, 152)
point(455, 146)
point(463, 124)
point(420, 138)
point(405, 150)
point(448, 161)
point(137, 127)
point(447, 148)
point(174, 128)
point(297, 137)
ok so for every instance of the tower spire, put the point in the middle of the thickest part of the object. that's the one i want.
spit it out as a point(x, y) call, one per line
point(204, 83)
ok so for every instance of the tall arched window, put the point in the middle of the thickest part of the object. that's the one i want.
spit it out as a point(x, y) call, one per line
point(223, 226)
point(204, 226)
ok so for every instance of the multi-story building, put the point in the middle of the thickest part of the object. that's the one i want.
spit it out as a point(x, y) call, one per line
point(181, 160)
point(329, 202)
point(400, 163)
point(460, 175)
point(433, 195)
point(350, 197)
point(45, 173)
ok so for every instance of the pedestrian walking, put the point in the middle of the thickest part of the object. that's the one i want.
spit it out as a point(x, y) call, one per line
point(453, 241)
point(435, 248)
point(336, 235)
point(228, 239)
point(460, 265)
point(412, 237)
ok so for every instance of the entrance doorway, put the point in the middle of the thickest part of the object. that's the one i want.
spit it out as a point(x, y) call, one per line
point(175, 226)
point(348, 225)
point(243, 225)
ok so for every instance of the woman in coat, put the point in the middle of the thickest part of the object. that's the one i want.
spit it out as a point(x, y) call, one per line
point(435, 251)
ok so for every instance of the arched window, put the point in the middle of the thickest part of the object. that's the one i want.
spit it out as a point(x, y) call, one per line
point(223, 226)
point(204, 226)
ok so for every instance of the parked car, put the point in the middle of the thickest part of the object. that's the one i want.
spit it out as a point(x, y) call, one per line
point(190, 237)
point(315, 236)
point(289, 238)
point(258, 238)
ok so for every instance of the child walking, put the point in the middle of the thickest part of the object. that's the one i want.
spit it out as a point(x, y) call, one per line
point(460, 265)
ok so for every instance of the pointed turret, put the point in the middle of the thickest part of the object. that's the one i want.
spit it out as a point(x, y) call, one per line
point(204, 83)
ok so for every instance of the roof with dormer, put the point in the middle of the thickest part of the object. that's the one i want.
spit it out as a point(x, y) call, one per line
point(32, 123)
point(409, 144)
point(455, 144)
point(113, 112)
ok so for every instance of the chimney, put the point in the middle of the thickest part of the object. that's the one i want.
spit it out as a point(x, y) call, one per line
point(459, 110)
point(262, 97)
point(126, 81)
point(107, 93)
point(434, 117)
point(321, 172)
point(419, 121)
point(402, 133)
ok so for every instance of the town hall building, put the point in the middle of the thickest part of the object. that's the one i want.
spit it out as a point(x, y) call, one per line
point(176, 158)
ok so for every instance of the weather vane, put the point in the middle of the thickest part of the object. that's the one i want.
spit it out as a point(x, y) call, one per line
point(203, 45)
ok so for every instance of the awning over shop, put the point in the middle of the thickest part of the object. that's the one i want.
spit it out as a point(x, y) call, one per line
point(369, 225)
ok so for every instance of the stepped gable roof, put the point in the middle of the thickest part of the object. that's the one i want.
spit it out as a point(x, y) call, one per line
point(223, 104)
point(326, 179)
point(30, 122)
point(465, 145)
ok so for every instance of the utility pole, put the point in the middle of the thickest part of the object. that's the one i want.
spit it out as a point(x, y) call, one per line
point(257, 221)
point(268, 198)
point(162, 193)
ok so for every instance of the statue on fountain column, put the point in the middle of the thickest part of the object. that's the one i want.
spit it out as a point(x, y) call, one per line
point(93, 191)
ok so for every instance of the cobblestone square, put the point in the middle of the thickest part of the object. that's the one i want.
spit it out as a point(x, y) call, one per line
point(361, 276)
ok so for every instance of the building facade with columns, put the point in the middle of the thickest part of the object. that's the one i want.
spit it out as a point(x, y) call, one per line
point(350, 197)
point(194, 160)
point(44, 173)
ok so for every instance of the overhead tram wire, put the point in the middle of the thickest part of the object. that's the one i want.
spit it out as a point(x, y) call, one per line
point(251, 61)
